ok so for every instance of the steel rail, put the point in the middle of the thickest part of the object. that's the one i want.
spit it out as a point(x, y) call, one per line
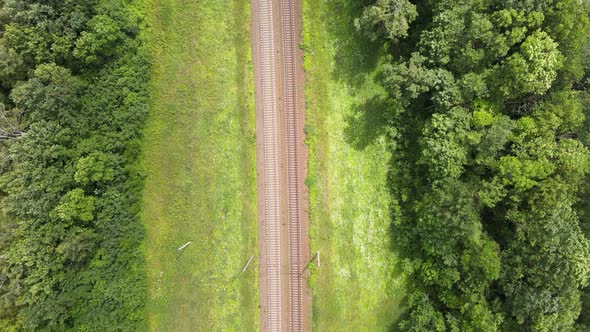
point(271, 166)
point(291, 117)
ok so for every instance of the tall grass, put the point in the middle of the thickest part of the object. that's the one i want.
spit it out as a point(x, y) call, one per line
point(200, 164)
point(358, 286)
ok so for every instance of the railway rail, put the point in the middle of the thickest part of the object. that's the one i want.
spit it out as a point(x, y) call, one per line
point(271, 166)
point(291, 115)
point(282, 300)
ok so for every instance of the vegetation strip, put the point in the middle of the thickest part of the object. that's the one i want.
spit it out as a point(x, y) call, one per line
point(358, 286)
point(486, 110)
point(73, 104)
point(199, 161)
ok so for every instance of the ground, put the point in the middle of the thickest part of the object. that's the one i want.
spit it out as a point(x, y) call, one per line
point(202, 121)
point(358, 286)
point(200, 167)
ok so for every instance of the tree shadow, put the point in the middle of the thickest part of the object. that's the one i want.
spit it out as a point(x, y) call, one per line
point(355, 55)
point(355, 59)
point(368, 123)
point(394, 325)
point(405, 180)
point(401, 313)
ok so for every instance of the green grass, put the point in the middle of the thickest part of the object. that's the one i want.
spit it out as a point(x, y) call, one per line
point(358, 286)
point(199, 158)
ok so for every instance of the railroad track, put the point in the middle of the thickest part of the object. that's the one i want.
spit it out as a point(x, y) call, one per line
point(291, 115)
point(282, 185)
point(271, 166)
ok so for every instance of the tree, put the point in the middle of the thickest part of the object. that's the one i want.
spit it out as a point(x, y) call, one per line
point(445, 144)
point(70, 255)
point(79, 245)
point(75, 205)
point(490, 162)
point(94, 168)
point(387, 18)
point(51, 94)
point(545, 266)
point(99, 40)
point(423, 316)
point(455, 261)
point(533, 69)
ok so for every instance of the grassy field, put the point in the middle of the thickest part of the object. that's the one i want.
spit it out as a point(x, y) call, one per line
point(358, 286)
point(200, 165)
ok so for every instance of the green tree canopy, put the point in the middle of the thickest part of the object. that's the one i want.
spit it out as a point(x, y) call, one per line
point(387, 18)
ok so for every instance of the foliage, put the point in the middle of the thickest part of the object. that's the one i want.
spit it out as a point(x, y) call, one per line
point(98, 39)
point(534, 68)
point(387, 18)
point(69, 251)
point(490, 167)
point(94, 168)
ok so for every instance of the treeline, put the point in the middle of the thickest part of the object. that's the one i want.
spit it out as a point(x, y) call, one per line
point(491, 160)
point(72, 105)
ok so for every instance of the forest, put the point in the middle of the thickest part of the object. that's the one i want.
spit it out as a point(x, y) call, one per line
point(72, 107)
point(487, 113)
